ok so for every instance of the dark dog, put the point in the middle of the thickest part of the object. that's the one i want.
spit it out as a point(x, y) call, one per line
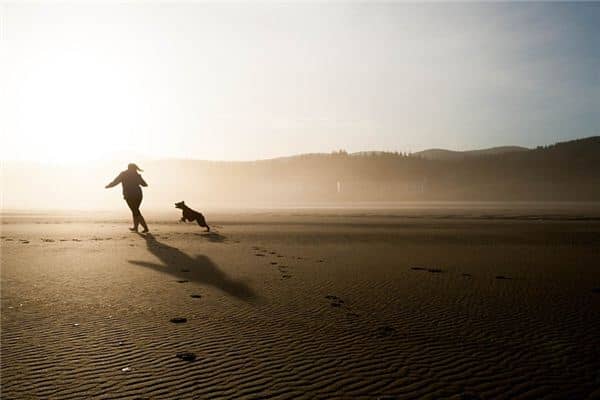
point(191, 215)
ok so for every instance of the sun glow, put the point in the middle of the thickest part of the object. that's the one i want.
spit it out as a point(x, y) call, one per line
point(73, 108)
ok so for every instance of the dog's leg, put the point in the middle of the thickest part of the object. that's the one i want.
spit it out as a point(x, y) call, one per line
point(204, 224)
point(182, 219)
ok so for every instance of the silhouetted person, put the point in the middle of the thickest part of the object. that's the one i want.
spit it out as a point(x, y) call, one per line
point(132, 192)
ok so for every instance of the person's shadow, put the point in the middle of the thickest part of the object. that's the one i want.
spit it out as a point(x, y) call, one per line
point(200, 269)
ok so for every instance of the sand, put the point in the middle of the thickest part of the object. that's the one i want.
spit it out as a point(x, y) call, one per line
point(302, 305)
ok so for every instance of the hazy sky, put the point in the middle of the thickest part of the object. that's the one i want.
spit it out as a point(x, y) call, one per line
point(250, 81)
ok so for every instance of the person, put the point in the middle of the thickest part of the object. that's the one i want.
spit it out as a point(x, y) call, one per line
point(132, 192)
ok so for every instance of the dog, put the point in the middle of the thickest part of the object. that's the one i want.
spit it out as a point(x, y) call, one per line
point(191, 215)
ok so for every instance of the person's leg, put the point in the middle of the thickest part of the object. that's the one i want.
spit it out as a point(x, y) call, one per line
point(135, 212)
point(143, 223)
point(140, 217)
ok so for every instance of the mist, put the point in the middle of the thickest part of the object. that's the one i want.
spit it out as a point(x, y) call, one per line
point(567, 171)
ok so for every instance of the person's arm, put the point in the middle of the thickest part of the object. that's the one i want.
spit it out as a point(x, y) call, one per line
point(114, 183)
point(142, 181)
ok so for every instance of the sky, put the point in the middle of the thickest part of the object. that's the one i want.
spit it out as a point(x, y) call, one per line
point(243, 81)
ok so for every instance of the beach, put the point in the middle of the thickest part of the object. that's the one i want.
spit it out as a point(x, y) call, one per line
point(303, 304)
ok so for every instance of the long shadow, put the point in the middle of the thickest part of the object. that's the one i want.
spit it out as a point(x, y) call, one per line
point(200, 269)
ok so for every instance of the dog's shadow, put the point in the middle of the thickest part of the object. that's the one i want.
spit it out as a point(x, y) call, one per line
point(212, 237)
point(200, 269)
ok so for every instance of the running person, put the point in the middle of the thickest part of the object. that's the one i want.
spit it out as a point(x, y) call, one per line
point(132, 192)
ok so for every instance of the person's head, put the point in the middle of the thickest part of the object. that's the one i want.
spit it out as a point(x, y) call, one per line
point(133, 168)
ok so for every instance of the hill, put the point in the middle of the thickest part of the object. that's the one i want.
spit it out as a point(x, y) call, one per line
point(441, 154)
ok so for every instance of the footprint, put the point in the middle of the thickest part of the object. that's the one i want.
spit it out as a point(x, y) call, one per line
point(186, 356)
point(182, 281)
point(385, 331)
point(467, 275)
point(434, 270)
point(286, 276)
point(24, 241)
point(502, 277)
point(48, 240)
point(178, 320)
point(418, 268)
point(469, 396)
point(185, 270)
point(335, 301)
point(196, 296)
point(273, 263)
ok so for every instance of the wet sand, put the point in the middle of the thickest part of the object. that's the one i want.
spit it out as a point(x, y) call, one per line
point(303, 305)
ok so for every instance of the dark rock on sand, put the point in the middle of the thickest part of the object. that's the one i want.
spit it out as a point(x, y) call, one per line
point(385, 331)
point(186, 356)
